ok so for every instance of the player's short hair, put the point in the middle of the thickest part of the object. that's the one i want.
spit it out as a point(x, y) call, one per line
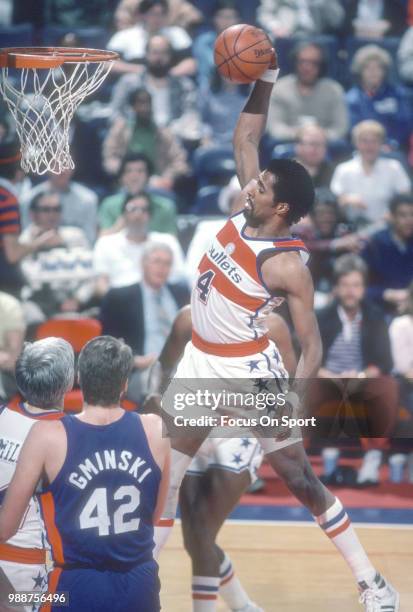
point(45, 371)
point(398, 200)
point(294, 186)
point(104, 366)
point(142, 194)
point(136, 157)
point(349, 263)
point(146, 5)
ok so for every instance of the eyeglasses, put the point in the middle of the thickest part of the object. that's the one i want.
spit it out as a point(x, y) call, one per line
point(49, 209)
point(137, 208)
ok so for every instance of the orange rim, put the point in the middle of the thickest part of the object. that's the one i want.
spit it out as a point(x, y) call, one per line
point(51, 57)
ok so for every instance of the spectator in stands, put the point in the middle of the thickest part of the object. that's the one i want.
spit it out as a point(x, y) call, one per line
point(12, 330)
point(173, 98)
point(366, 183)
point(374, 97)
point(181, 13)
point(79, 203)
point(311, 152)
point(131, 43)
point(142, 314)
point(225, 14)
point(357, 361)
point(59, 279)
point(389, 256)
point(327, 237)
point(306, 96)
point(220, 104)
point(11, 251)
point(367, 19)
point(283, 18)
point(401, 336)
point(117, 257)
point(405, 57)
point(142, 136)
point(134, 177)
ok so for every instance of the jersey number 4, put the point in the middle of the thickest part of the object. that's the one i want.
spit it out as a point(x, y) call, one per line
point(95, 512)
point(204, 285)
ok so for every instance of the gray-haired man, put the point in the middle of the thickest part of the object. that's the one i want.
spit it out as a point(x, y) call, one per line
point(44, 373)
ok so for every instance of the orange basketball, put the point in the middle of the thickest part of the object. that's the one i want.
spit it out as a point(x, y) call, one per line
point(242, 53)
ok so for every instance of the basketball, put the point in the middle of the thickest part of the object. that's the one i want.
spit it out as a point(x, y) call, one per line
point(242, 53)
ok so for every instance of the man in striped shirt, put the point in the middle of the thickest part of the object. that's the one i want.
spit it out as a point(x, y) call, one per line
point(11, 251)
point(357, 361)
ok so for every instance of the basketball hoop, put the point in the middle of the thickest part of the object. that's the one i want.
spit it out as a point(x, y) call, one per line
point(43, 86)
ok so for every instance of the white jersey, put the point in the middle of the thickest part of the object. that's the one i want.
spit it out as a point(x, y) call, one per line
point(15, 424)
point(230, 300)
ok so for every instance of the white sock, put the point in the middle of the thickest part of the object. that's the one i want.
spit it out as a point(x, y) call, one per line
point(204, 593)
point(179, 465)
point(337, 526)
point(230, 588)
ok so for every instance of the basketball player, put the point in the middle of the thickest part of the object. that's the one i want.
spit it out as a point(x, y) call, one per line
point(44, 373)
point(107, 475)
point(253, 263)
point(220, 472)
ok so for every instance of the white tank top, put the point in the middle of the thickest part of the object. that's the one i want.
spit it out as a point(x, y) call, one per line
point(15, 424)
point(230, 300)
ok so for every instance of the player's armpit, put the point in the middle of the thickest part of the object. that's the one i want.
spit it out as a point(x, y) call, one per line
point(29, 470)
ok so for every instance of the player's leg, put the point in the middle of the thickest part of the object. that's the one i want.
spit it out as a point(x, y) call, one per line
point(292, 465)
point(182, 453)
point(208, 495)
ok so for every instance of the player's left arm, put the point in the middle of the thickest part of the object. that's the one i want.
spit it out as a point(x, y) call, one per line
point(286, 272)
point(29, 470)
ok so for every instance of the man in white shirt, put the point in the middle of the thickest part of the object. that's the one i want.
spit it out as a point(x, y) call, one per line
point(365, 184)
point(117, 257)
point(79, 203)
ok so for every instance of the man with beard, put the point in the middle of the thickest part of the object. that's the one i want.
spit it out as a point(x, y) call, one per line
point(172, 96)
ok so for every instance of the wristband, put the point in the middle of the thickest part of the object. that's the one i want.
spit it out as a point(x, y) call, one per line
point(270, 75)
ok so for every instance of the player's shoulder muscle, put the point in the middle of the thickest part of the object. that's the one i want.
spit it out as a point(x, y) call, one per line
point(286, 271)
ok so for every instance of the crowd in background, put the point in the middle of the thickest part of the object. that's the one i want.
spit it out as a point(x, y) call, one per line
point(119, 237)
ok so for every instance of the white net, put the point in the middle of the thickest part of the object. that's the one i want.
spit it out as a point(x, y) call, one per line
point(43, 102)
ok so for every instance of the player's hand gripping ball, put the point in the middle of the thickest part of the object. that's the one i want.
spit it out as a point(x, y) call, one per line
point(242, 53)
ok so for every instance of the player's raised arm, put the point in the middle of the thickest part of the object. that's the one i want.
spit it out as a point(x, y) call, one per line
point(251, 125)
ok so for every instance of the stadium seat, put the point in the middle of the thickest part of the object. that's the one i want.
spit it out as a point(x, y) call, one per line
point(77, 332)
point(213, 165)
point(20, 35)
point(206, 202)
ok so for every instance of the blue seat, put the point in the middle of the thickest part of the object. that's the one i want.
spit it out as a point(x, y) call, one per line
point(20, 35)
point(206, 202)
point(213, 165)
point(93, 37)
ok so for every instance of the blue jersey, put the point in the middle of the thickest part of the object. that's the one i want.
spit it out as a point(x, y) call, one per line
point(98, 510)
